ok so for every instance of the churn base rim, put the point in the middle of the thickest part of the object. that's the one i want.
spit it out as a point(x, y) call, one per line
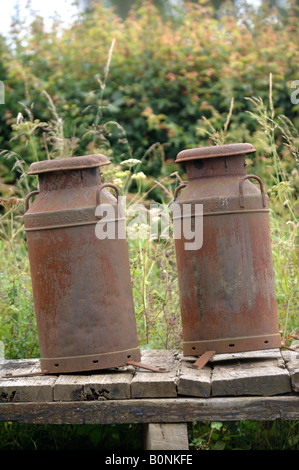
point(231, 345)
point(89, 362)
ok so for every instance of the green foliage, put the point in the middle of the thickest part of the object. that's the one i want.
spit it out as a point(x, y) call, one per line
point(155, 289)
point(245, 435)
point(15, 436)
point(18, 326)
point(17, 321)
point(164, 77)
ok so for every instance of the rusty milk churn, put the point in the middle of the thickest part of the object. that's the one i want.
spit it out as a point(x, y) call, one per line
point(227, 290)
point(81, 284)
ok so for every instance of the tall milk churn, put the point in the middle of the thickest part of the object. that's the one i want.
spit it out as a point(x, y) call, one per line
point(81, 284)
point(227, 290)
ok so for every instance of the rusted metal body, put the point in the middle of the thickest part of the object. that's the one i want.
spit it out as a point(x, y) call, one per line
point(227, 290)
point(81, 284)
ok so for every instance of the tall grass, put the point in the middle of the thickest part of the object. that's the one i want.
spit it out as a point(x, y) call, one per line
point(283, 209)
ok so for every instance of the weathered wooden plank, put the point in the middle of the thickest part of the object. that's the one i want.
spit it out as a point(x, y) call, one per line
point(23, 389)
point(69, 387)
point(292, 364)
point(192, 382)
point(264, 378)
point(169, 436)
point(113, 385)
point(232, 374)
point(122, 383)
point(152, 384)
point(246, 355)
point(172, 410)
point(19, 366)
point(26, 389)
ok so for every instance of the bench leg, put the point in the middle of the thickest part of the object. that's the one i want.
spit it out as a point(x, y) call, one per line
point(166, 436)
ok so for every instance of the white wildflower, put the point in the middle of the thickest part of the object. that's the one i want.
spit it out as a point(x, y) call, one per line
point(118, 182)
point(130, 162)
point(138, 176)
point(135, 231)
point(20, 118)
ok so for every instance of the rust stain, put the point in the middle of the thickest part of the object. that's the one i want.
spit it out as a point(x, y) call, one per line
point(227, 289)
point(81, 285)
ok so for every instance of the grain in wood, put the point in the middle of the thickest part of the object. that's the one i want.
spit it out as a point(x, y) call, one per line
point(112, 385)
point(156, 384)
point(19, 366)
point(274, 353)
point(192, 382)
point(292, 364)
point(171, 410)
point(169, 436)
point(237, 378)
point(36, 388)
point(69, 387)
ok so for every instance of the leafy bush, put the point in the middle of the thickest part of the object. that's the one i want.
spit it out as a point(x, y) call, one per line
point(163, 78)
point(245, 435)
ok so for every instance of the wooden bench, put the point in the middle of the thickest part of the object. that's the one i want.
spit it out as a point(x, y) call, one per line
point(259, 385)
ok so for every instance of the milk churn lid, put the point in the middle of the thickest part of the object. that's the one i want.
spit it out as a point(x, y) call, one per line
point(71, 163)
point(214, 151)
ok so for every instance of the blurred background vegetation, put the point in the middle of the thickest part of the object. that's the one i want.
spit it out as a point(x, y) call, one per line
point(173, 64)
point(140, 81)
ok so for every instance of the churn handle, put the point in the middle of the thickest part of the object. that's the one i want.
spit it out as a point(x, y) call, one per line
point(107, 185)
point(177, 190)
point(242, 192)
point(27, 199)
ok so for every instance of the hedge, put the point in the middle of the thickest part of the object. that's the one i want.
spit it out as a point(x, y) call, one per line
point(162, 78)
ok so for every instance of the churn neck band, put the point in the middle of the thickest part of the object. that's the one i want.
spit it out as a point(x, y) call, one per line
point(71, 163)
point(214, 151)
